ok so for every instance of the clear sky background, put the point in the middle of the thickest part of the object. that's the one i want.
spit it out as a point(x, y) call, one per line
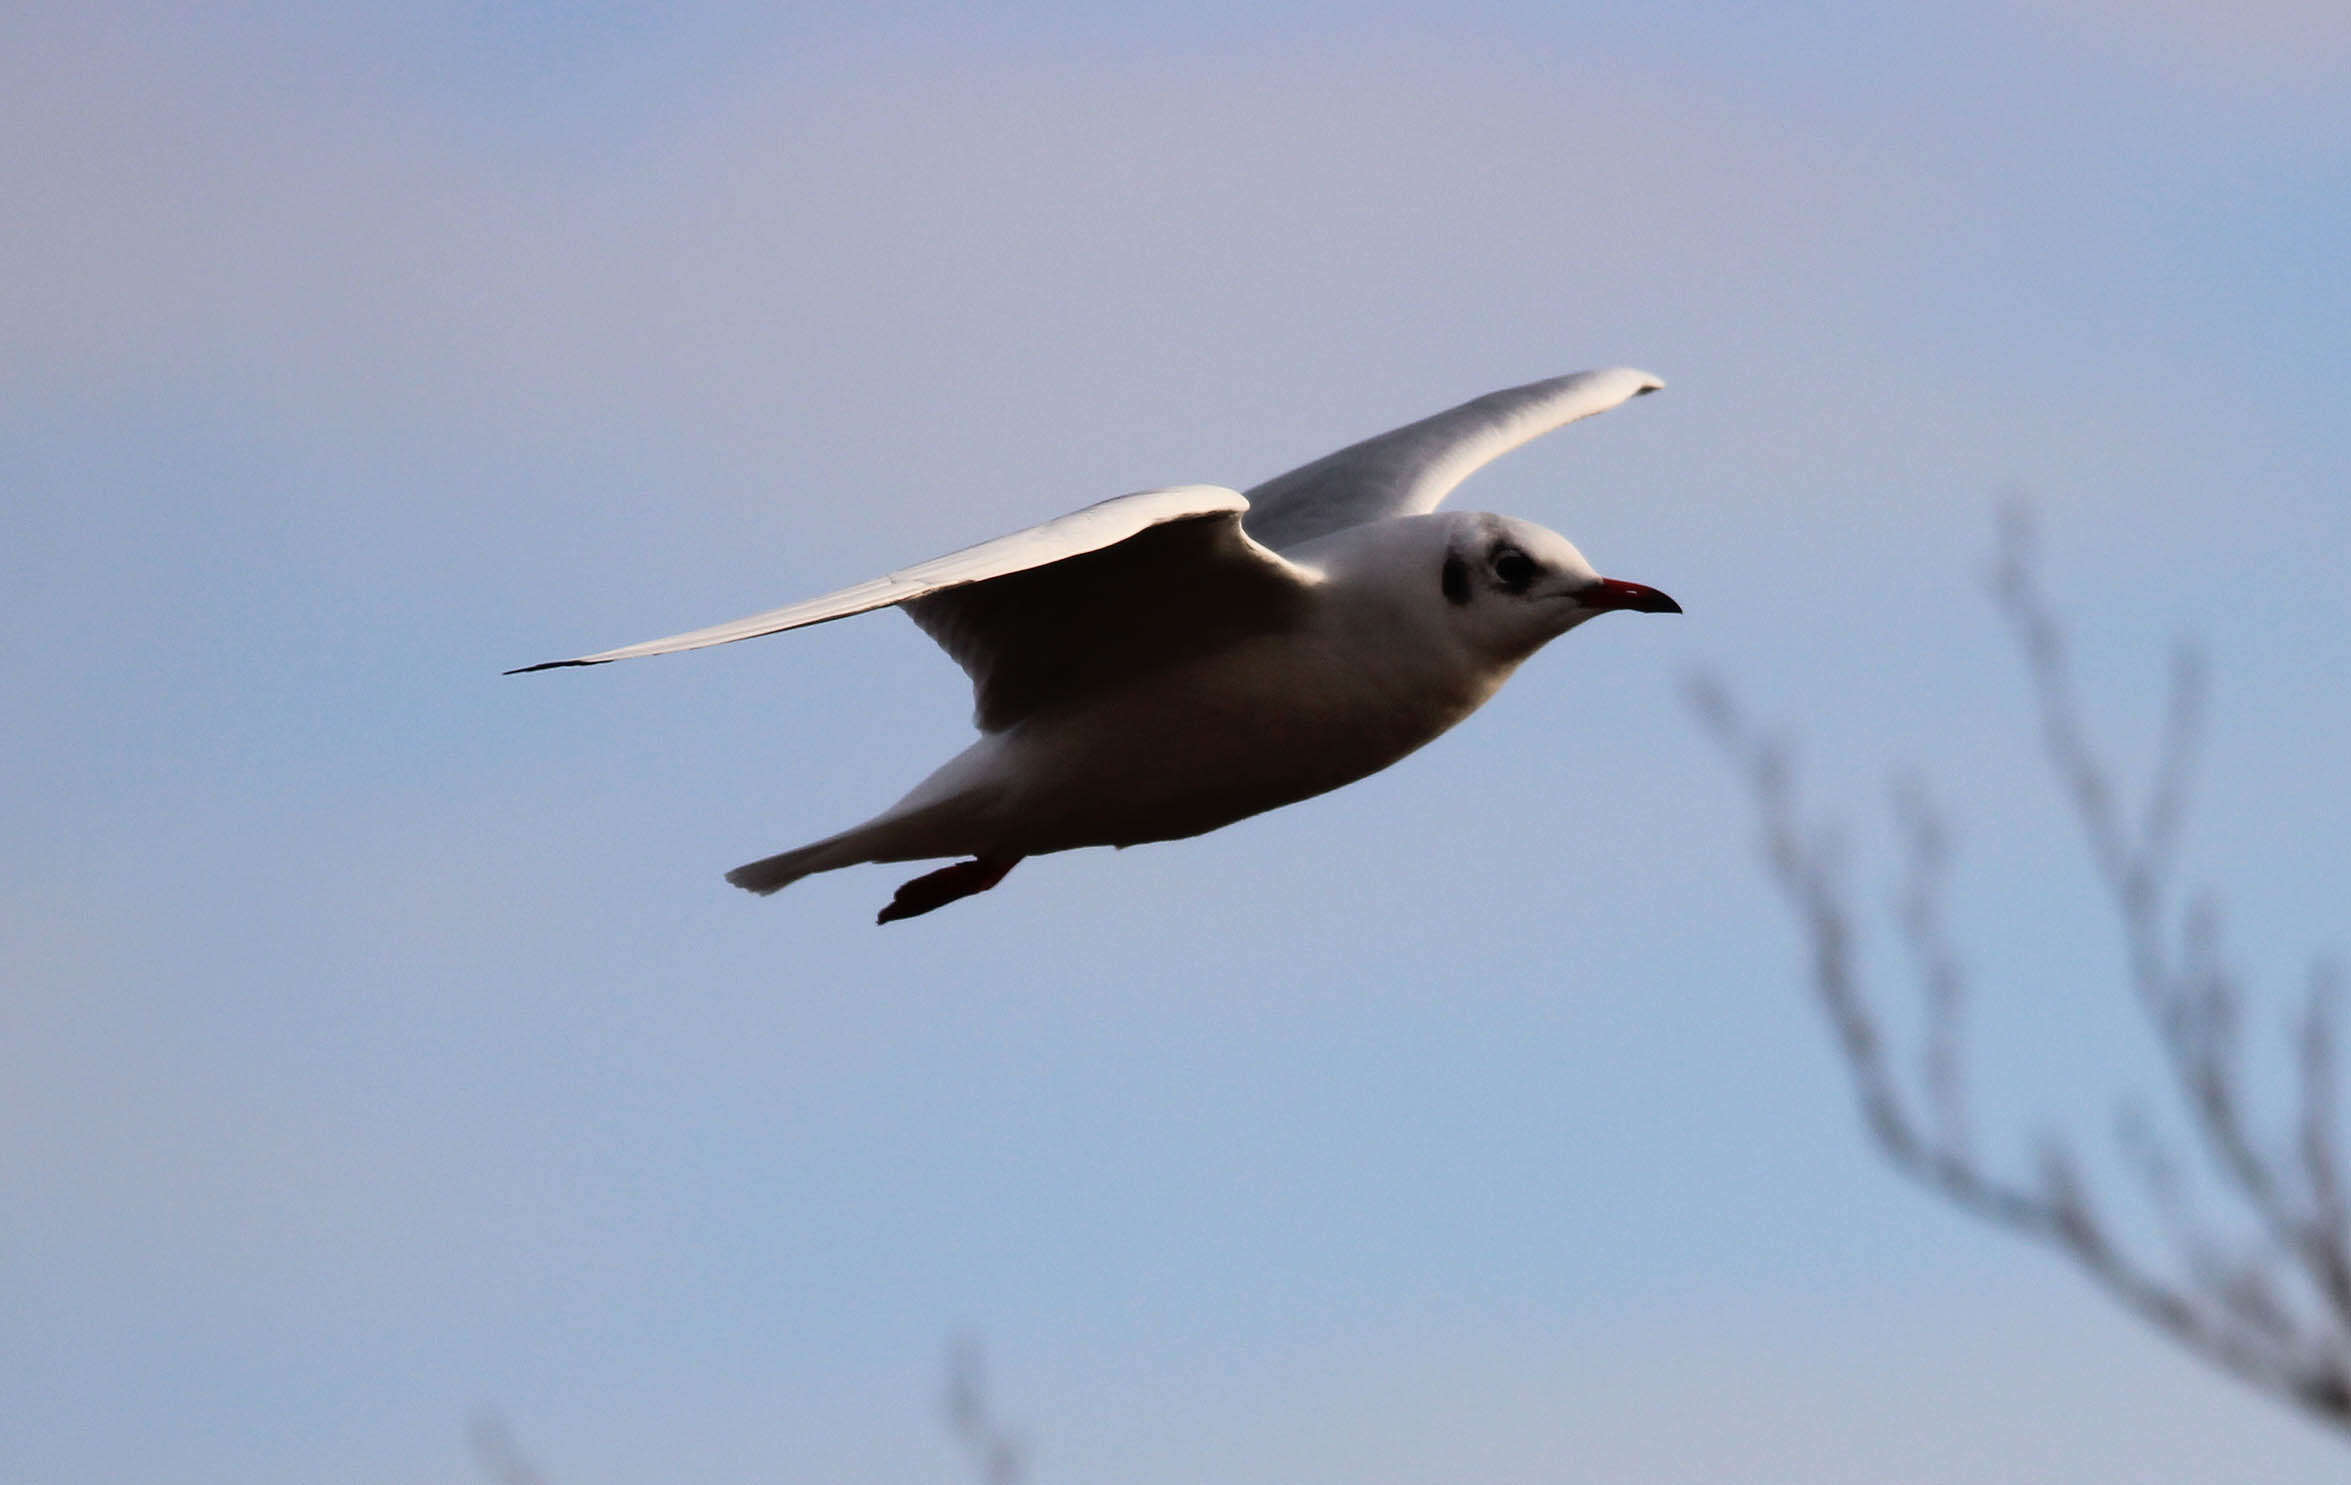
point(379, 1042)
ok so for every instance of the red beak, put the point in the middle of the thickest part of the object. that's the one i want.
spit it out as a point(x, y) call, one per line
point(1610, 593)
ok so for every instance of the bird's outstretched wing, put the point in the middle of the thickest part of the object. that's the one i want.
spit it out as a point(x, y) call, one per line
point(1410, 470)
point(1102, 595)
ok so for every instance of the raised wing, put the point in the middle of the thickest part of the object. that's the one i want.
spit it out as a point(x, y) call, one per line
point(1410, 471)
point(1186, 586)
point(1101, 595)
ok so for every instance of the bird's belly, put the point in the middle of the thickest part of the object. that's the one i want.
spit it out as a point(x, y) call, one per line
point(1192, 750)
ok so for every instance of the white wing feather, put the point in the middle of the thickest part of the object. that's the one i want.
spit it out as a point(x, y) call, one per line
point(1410, 471)
point(1104, 524)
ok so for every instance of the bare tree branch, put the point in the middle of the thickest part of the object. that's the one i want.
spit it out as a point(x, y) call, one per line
point(1927, 858)
point(2265, 1294)
point(495, 1450)
point(997, 1455)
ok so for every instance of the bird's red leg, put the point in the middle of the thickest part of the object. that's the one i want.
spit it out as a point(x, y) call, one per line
point(937, 889)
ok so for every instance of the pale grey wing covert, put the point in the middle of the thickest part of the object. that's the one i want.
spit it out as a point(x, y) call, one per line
point(1119, 589)
point(1410, 470)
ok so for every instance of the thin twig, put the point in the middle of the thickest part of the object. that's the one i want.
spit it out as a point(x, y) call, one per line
point(996, 1454)
point(2228, 1302)
point(495, 1450)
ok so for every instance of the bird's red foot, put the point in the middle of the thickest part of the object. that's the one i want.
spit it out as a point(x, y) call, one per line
point(937, 889)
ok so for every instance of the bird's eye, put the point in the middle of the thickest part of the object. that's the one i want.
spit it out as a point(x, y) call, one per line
point(1514, 569)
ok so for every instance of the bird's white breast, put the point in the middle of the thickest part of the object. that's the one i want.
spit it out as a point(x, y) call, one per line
point(1274, 719)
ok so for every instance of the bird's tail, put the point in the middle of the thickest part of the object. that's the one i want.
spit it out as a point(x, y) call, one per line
point(935, 820)
point(896, 834)
point(775, 873)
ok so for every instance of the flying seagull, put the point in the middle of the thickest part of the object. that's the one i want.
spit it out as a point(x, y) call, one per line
point(1162, 664)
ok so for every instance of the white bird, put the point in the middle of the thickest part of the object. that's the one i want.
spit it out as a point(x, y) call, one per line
point(1162, 664)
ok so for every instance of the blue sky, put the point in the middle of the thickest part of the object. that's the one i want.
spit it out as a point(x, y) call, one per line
point(381, 1042)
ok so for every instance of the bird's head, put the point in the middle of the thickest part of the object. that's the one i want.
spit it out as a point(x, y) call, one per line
point(1510, 586)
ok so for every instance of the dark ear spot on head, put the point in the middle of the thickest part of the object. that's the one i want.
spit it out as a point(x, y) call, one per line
point(1456, 579)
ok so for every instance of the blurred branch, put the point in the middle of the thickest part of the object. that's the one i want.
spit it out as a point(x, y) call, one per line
point(996, 1454)
point(495, 1450)
point(2272, 1308)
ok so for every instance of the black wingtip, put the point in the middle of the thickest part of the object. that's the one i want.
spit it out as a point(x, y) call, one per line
point(548, 665)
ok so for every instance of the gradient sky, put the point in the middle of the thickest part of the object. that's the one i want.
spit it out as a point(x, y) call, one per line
point(379, 1043)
